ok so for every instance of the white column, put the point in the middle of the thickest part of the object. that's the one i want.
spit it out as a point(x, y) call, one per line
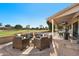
point(53, 42)
point(71, 32)
point(52, 27)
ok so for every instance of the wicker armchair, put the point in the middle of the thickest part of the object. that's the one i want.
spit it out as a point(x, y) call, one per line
point(20, 42)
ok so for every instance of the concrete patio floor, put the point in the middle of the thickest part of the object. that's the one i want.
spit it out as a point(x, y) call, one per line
point(7, 50)
point(65, 47)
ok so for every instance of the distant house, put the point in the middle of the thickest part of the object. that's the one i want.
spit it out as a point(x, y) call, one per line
point(67, 19)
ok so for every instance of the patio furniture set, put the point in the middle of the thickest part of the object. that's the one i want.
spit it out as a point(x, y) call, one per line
point(39, 40)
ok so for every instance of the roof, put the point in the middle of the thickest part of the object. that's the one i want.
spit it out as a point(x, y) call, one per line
point(77, 14)
point(63, 11)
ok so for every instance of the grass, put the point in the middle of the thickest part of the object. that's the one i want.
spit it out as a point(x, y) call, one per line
point(12, 32)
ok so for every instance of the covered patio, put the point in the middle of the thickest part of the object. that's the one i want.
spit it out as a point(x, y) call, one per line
point(65, 31)
point(66, 20)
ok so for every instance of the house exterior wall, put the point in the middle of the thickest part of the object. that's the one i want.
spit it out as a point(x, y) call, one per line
point(71, 23)
point(62, 15)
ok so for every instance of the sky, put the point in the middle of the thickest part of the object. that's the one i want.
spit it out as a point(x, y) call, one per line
point(33, 14)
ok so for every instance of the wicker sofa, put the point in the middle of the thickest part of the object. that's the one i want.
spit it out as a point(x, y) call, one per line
point(22, 41)
point(42, 42)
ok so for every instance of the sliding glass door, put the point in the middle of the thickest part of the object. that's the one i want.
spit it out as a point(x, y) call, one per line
point(75, 29)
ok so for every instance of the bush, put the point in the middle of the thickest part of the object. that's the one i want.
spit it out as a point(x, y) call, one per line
point(8, 25)
point(49, 25)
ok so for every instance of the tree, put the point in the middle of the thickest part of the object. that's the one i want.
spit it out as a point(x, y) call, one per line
point(41, 26)
point(46, 27)
point(27, 26)
point(37, 28)
point(8, 25)
point(0, 24)
point(18, 26)
point(49, 25)
point(32, 28)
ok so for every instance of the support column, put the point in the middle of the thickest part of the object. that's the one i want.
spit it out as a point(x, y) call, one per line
point(71, 32)
point(54, 45)
point(52, 27)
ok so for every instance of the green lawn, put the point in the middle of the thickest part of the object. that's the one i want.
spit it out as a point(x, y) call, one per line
point(12, 32)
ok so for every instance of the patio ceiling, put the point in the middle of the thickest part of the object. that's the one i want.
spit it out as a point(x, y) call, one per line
point(67, 18)
point(65, 15)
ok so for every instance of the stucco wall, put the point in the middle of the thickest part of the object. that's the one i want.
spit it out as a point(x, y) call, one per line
point(6, 39)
